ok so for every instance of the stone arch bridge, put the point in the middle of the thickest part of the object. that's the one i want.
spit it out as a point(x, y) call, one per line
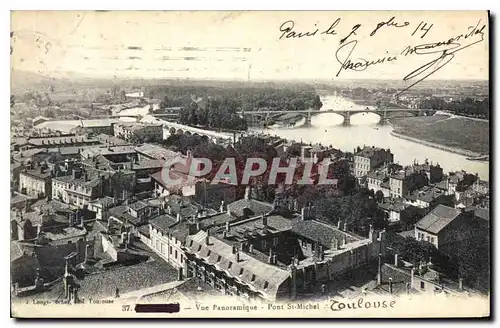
point(346, 114)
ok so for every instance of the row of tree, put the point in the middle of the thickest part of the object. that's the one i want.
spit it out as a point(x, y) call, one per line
point(465, 107)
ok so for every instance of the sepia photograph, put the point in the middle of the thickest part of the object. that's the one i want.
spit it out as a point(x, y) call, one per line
point(250, 164)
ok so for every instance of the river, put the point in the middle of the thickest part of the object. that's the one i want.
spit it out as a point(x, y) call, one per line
point(328, 129)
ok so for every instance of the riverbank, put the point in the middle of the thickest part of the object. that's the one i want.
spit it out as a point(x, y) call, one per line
point(437, 146)
point(459, 135)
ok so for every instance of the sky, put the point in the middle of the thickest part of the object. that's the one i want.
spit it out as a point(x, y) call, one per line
point(238, 45)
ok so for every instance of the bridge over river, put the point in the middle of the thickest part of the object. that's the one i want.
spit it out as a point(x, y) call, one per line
point(346, 114)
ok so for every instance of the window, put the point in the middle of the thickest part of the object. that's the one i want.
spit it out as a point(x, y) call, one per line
point(170, 249)
point(264, 243)
point(275, 241)
point(176, 254)
point(162, 248)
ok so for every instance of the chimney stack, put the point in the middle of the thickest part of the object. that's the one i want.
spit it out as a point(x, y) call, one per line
point(228, 227)
point(250, 248)
point(379, 276)
point(207, 238)
point(87, 252)
point(222, 208)
point(178, 217)
point(345, 226)
point(237, 256)
point(339, 223)
point(396, 259)
point(303, 213)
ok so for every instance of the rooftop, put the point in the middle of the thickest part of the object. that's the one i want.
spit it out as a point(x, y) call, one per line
point(438, 218)
point(425, 194)
point(38, 173)
point(259, 276)
point(67, 125)
point(156, 152)
point(255, 207)
point(369, 151)
point(321, 232)
point(396, 205)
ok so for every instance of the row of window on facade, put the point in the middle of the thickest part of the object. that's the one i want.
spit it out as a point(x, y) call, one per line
point(422, 236)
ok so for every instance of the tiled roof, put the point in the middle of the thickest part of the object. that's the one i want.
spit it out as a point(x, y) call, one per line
point(396, 205)
point(438, 218)
point(256, 207)
point(320, 232)
point(425, 194)
point(38, 173)
point(156, 152)
point(149, 164)
point(259, 276)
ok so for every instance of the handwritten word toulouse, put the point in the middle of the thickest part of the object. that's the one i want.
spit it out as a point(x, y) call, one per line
point(361, 304)
point(227, 172)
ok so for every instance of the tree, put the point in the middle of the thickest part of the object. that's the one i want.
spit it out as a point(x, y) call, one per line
point(379, 196)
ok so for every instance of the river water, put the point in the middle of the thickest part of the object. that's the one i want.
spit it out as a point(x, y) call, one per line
point(328, 129)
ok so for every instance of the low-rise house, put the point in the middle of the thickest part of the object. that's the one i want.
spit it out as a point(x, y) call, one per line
point(442, 226)
point(429, 197)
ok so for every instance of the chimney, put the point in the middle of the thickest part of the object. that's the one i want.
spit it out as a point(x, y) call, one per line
point(237, 256)
point(75, 295)
point(179, 217)
point(124, 238)
point(339, 223)
point(87, 252)
point(224, 234)
point(390, 285)
point(228, 227)
point(222, 207)
point(270, 258)
point(379, 276)
point(207, 238)
point(250, 248)
point(303, 213)
point(234, 249)
point(345, 226)
point(396, 259)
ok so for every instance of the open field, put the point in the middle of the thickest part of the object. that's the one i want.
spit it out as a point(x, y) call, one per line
point(456, 132)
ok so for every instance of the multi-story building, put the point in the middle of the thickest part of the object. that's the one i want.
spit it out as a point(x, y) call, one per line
point(433, 172)
point(272, 257)
point(370, 158)
point(375, 180)
point(405, 181)
point(36, 182)
point(77, 189)
point(147, 132)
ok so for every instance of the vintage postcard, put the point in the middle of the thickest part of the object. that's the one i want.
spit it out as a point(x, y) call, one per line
point(277, 164)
